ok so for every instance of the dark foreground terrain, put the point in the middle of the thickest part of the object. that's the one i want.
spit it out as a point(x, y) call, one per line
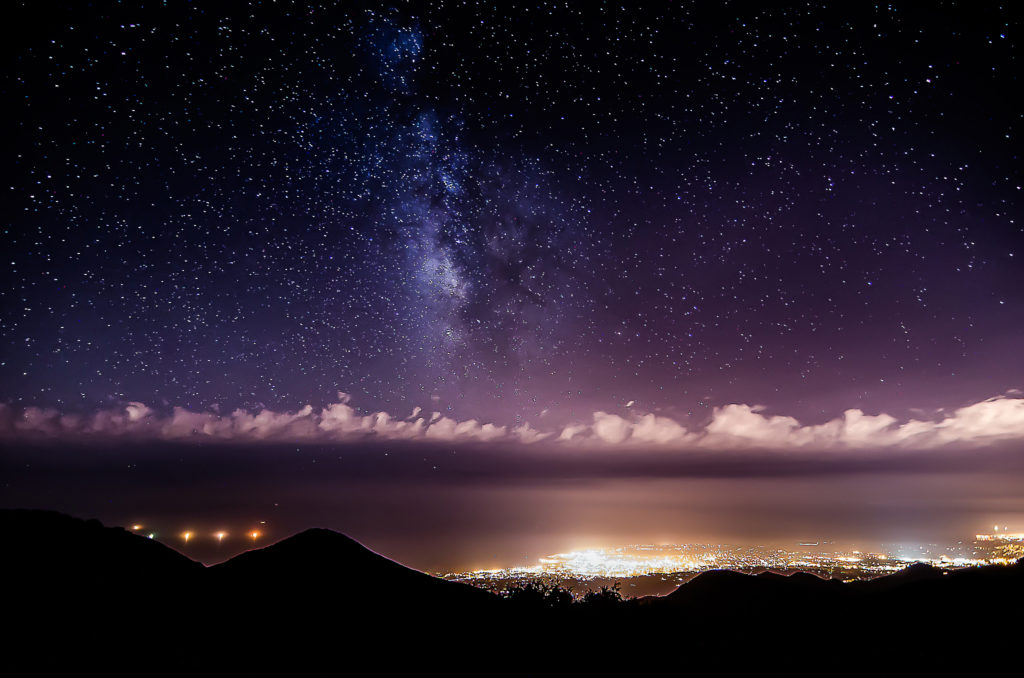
point(77, 594)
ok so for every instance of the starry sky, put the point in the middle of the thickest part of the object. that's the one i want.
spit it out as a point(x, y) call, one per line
point(507, 213)
point(701, 226)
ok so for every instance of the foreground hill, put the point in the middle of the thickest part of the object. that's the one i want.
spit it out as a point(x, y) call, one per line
point(73, 552)
point(79, 594)
point(329, 564)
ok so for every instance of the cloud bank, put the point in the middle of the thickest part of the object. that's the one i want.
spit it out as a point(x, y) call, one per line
point(736, 426)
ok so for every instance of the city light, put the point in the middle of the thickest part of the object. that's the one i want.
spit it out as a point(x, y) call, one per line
point(642, 560)
point(186, 536)
point(220, 536)
point(1003, 536)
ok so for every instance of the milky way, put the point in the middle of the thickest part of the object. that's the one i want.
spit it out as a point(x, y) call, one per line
point(512, 214)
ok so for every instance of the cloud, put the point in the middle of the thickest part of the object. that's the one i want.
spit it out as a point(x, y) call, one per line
point(997, 418)
point(525, 433)
point(450, 429)
point(611, 428)
point(659, 430)
point(383, 425)
point(340, 419)
point(741, 426)
point(734, 426)
point(573, 430)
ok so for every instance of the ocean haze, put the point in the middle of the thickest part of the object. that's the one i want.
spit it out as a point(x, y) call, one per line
point(439, 508)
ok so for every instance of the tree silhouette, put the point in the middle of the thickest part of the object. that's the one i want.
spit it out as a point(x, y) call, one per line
point(538, 595)
point(606, 598)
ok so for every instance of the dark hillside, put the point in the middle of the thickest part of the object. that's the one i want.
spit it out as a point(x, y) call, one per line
point(79, 594)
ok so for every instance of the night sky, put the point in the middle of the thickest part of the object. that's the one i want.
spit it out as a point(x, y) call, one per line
point(678, 225)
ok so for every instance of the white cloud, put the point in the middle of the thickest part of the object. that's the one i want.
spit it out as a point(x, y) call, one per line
point(573, 430)
point(186, 424)
point(659, 430)
point(739, 426)
point(450, 429)
point(383, 425)
point(997, 418)
point(339, 419)
point(992, 420)
point(525, 433)
point(744, 425)
point(731, 426)
point(611, 428)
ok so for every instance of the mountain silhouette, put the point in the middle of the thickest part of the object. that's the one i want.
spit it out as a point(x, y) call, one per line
point(333, 564)
point(326, 583)
point(723, 593)
point(74, 550)
point(78, 594)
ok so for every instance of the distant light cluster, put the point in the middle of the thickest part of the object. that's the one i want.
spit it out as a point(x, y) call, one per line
point(1000, 536)
point(674, 559)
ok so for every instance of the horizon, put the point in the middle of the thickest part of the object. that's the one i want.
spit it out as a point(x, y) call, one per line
point(433, 510)
point(625, 562)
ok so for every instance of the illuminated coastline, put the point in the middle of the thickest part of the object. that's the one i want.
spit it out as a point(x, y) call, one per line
point(679, 562)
